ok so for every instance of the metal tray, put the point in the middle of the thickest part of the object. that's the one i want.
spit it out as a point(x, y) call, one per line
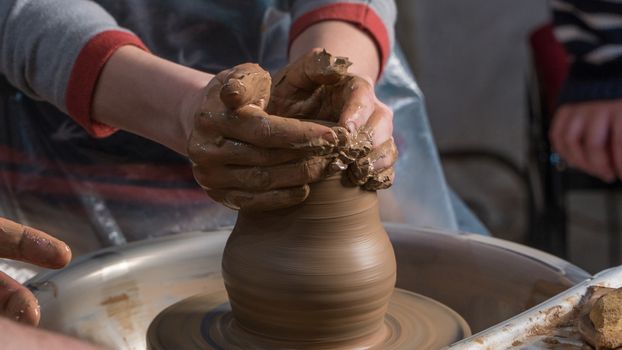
point(549, 325)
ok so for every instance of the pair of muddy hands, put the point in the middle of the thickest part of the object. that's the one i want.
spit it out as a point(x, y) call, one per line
point(258, 144)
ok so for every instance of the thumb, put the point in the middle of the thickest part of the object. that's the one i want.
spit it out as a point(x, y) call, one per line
point(314, 69)
point(245, 84)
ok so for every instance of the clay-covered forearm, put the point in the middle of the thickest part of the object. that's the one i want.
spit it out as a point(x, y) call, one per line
point(368, 22)
point(149, 96)
point(41, 39)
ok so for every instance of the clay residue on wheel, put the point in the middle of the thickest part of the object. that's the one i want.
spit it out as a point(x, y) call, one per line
point(600, 322)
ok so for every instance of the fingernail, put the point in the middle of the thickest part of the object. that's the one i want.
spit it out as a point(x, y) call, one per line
point(331, 137)
point(236, 200)
point(301, 192)
point(351, 127)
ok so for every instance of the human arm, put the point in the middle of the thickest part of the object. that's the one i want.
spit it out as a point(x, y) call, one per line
point(113, 82)
point(363, 32)
point(586, 129)
point(73, 54)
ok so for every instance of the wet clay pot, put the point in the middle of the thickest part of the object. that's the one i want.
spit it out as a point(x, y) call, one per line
point(320, 273)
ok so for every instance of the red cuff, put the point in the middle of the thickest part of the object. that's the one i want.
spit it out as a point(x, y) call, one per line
point(85, 73)
point(359, 14)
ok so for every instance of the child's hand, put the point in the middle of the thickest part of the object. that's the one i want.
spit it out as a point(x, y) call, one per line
point(246, 158)
point(317, 86)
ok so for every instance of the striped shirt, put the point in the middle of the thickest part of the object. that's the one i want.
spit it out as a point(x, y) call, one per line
point(591, 31)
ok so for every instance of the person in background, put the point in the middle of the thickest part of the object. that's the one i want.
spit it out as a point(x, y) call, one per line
point(587, 127)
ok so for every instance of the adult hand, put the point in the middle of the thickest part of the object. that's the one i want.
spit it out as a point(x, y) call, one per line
point(19, 242)
point(317, 86)
point(246, 158)
point(588, 136)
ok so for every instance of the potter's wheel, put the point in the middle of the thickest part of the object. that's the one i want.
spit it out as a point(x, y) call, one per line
point(110, 297)
point(204, 322)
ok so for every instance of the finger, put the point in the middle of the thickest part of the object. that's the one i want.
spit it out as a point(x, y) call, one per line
point(252, 125)
point(246, 84)
point(572, 140)
point(375, 132)
point(17, 302)
point(19, 242)
point(312, 70)
point(384, 156)
point(380, 125)
point(259, 179)
point(556, 133)
point(596, 148)
point(378, 160)
point(380, 181)
point(260, 201)
point(615, 144)
point(359, 104)
point(233, 152)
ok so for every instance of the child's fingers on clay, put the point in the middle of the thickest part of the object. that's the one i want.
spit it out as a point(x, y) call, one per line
point(358, 105)
point(27, 244)
point(381, 122)
point(254, 126)
point(260, 201)
point(380, 128)
point(381, 181)
point(322, 68)
point(256, 179)
point(234, 152)
point(292, 106)
point(17, 302)
point(376, 162)
point(310, 71)
point(385, 156)
point(246, 84)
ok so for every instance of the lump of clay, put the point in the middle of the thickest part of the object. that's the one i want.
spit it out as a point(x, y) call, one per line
point(606, 316)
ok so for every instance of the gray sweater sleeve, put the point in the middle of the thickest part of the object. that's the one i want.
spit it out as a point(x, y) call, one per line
point(41, 39)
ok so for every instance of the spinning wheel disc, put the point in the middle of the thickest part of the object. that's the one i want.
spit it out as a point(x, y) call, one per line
point(205, 322)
